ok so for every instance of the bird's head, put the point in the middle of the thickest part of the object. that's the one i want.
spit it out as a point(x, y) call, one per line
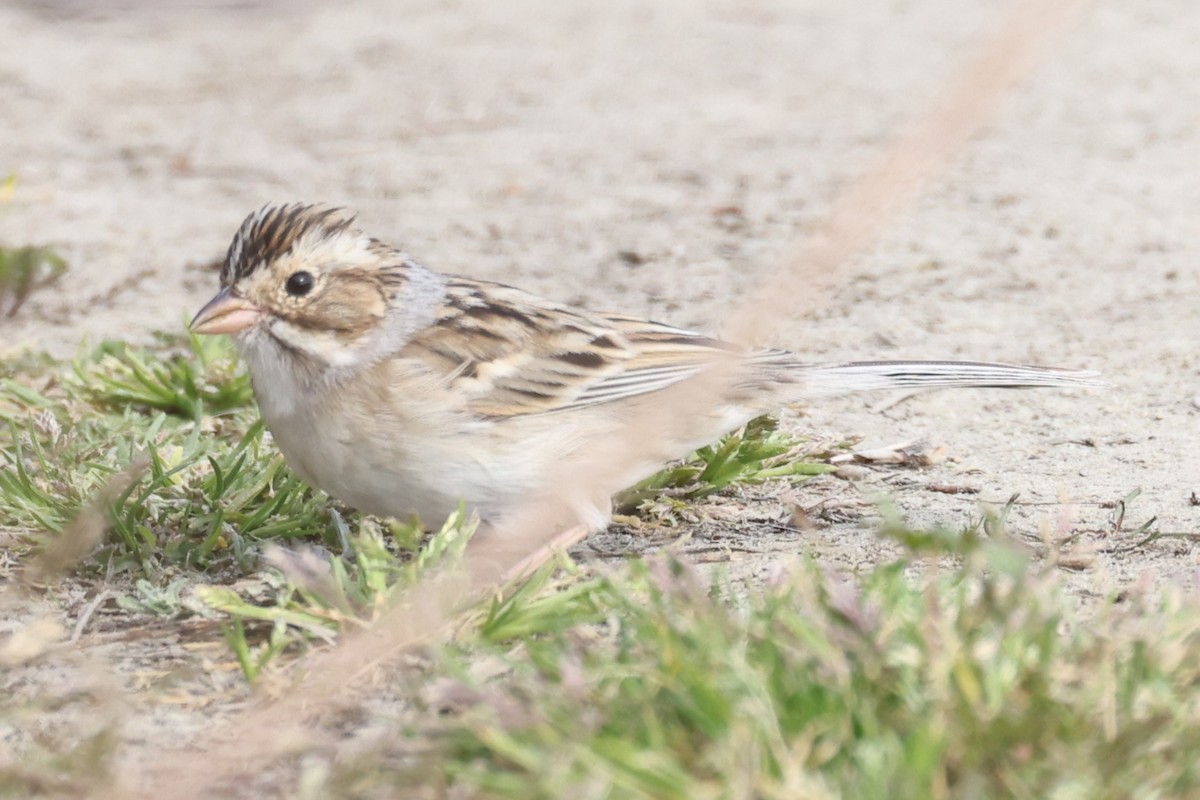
point(304, 280)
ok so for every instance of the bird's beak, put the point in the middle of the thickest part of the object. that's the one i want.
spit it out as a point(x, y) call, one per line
point(226, 313)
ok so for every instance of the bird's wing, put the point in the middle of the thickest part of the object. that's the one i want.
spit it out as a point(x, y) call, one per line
point(509, 353)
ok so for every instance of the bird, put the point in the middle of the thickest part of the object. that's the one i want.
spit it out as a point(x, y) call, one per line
point(400, 390)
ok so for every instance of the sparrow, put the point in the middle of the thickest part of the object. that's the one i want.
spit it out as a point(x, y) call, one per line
point(403, 391)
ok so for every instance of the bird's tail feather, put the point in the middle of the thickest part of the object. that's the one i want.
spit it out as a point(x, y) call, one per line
point(822, 380)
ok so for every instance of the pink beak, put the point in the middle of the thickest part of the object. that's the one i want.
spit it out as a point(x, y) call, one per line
point(226, 313)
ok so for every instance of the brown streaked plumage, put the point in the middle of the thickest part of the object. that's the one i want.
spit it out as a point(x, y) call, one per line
point(273, 232)
point(399, 389)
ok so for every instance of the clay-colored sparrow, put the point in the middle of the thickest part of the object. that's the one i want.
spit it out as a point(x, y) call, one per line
point(401, 390)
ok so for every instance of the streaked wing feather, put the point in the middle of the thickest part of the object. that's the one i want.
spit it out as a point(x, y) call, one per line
point(512, 354)
point(509, 354)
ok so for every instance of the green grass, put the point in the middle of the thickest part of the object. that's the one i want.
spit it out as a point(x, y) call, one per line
point(975, 679)
point(959, 669)
point(320, 596)
point(212, 489)
point(190, 377)
point(25, 270)
point(756, 453)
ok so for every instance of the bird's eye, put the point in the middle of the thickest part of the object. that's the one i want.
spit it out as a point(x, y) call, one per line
point(299, 283)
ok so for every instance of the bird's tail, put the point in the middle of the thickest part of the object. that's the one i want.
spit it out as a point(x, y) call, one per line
point(822, 380)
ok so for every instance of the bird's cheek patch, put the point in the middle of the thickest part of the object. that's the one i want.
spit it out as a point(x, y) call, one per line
point(350, 310)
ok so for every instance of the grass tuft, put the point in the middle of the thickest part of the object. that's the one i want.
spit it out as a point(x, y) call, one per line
point(974, 681)
point(188, 378)
point(25, 270)
point(320, 595)
point(757, 452)
point(213, 489)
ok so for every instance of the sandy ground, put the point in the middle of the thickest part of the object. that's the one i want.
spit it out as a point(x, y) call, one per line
point(665, 159)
